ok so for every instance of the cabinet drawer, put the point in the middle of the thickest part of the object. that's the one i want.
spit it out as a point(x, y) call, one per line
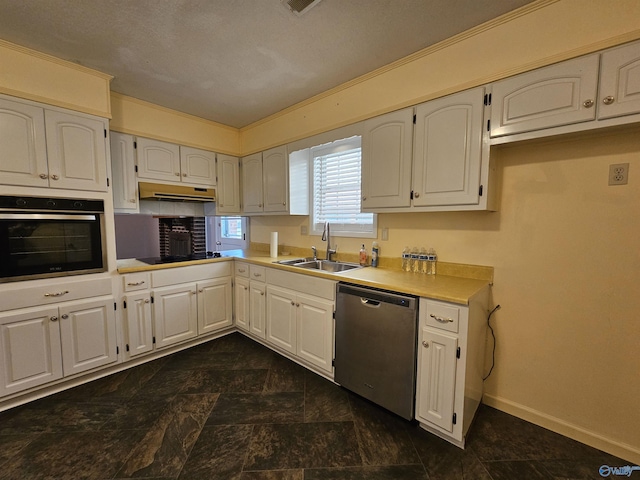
point(442, 316)
point(58, 292)
point(257, 273)
point(241, 269)
point(194, 273)
point(135, 281)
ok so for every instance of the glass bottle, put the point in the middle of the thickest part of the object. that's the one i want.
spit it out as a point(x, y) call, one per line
point(406, 259)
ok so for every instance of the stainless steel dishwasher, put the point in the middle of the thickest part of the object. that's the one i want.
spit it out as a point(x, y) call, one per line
point(376, 335)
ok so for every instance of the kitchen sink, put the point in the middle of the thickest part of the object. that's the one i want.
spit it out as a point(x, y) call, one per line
point(328, 266)
point(293, 261)
point(324, 265)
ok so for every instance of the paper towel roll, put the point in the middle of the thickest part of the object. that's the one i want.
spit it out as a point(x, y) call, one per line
point(274, 244)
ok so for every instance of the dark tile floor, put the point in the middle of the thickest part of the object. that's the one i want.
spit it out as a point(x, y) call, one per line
point(233, 409)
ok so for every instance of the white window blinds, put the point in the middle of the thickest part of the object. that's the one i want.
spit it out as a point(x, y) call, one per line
point(336, 189)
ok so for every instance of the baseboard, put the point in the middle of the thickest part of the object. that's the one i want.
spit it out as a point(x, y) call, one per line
point(593, 439)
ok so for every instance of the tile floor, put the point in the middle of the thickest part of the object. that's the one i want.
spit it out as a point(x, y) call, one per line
point(233, 409)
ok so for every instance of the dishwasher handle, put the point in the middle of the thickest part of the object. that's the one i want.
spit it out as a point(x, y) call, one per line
point(367, 302)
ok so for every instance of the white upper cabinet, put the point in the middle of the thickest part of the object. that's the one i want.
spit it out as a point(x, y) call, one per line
point(228, 194)
point(158, 160)
point(252, 183)
point(556, 95)
point(198, 166)
point(123, 168)
point(23, 157)
point(51, 148)
point(174, 163)
point(448, 150)
point(620, 81)
point(386, 160)
point(275, 179)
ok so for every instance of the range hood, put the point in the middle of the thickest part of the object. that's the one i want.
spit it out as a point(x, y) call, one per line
point(160, 191)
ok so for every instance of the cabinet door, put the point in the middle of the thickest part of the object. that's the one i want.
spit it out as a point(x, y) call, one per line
point(123, 168)
point(198, 166)
point(88, 332)
point(560, 94)
point(281, 318)
point(215, 309)
point(76, 150)
point(30, 350)
point(436, 378)
point(241, 302)
point(138, 324)
point(228, 195)
point(448, 150)
point(23, 156)
point(620, 82)
point(175, 314)
point(252, 183)
point(315, 331)
point(257, 308)
point(158, 160)
point(386, 160)
point(275, 179)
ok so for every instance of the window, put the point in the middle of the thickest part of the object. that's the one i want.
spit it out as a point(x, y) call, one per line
point(335, 190)
point(227, 233)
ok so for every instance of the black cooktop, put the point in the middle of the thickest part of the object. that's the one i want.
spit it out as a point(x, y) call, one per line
point(178, 258)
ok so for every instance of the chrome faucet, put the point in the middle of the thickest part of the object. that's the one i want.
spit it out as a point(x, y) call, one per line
point(315, 252)
point(326, 236)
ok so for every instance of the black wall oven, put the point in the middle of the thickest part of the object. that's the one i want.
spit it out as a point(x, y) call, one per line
point(50, 237)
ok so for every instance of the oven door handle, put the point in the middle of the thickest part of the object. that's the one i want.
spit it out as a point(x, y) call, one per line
point(45, 216)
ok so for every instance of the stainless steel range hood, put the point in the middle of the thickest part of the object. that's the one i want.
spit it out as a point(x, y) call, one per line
point(160, 191)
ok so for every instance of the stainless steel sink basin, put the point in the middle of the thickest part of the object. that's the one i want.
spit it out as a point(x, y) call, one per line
point(328, 266)
point(324, 265)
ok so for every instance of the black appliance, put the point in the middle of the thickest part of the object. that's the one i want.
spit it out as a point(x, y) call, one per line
point(50, 237)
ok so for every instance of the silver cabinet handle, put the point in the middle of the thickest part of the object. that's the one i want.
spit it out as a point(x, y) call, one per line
point(587, 103)
point(297, 304)
point(245, 288)
point(177, 174)
point(608, 100)
point(43, 176)
point(201, 290)
point(53, 319)
point(261, 293)
point(57, 294)
point(416, 195)
point(257, 274)
point(184, 174)
point(65, 316)
point(135, 284)
point(55, 177)
point(425, 344)
point(194, 292)
point(441, 319)
point(133, 200)
point(364, 198)
point(146, 300)
point(242, 270)
point(293, 304)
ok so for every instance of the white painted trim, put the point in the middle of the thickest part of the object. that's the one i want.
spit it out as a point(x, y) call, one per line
point(555, 424)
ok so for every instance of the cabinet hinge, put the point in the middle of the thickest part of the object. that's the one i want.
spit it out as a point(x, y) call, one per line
point(154, 340)
point(487, 99)
point(136, 168)
point(115, 306)
point(334, 314)
point(458, 352)
point(415, 117)
point(127, 347)
point(480, 190)
point(411, 195)
point(135, 144)
point(124, 304)
point(333, 362)
point(489, 125)
point(151, 298)
point(107, 182)
point(105, 133)
point(117, 350)
point(455, 418)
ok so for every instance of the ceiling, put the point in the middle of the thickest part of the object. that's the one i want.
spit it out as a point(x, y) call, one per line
point(236, 61)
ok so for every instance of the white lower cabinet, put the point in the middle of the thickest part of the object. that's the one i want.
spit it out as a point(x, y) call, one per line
point(250, 298)
point(451, 344)
point(299, 317)
point(215, 308)
point(241, 303)
point(257, 308)
point(175, 314)
point(42, 344)
point(138, 323)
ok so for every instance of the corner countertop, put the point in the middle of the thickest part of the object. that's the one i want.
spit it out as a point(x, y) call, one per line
point(455, 288)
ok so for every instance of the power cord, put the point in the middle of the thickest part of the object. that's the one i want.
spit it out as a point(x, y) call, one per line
point(493, 354)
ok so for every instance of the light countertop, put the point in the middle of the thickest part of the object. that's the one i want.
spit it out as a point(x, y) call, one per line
point(453, 285)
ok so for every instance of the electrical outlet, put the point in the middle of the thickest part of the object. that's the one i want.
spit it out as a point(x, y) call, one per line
point(618, 174)
point(304, 230)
